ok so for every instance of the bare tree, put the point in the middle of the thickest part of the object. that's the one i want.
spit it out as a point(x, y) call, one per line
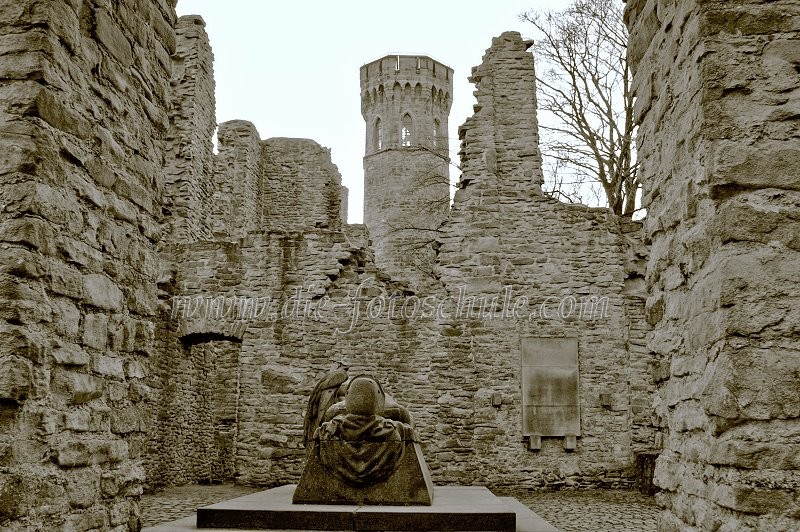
point(584, 97)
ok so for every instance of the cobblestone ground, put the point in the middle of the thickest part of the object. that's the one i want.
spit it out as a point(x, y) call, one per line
point(592, 510)
point(175, 503)
point(600, 510)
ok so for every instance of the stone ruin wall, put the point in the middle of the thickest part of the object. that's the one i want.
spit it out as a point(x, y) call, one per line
point(85, 105)
point(502, 232)
point(189, 174)
point(717, 102)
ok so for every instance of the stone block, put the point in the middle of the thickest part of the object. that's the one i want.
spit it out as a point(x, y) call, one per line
point(755, 454)
point(80, 387)
point(126, 419)
point(279, 379)
point(17, 495)
point(126, 478)
point(60, 115)
point(766, 164)
point(20, 262)
point(21, 303)
point(19, 341)
point(16, 378)
point(90, 452)
point(119, 513)
point(140, 392)
point(83, 487)
point(33, 232)
point(100, 291)
point(77, 420)
point(753, 500)
point(70, 355)
point(745, 373)
point(143, 299)
point(94, 520)
point(23, 66)
point(110, 35)
point(77, 252)
point(95, 331)
point(134, 369)
point(66, 280)
point(108, 366)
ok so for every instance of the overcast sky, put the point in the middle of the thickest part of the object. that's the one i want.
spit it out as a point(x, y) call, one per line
point(291, 67)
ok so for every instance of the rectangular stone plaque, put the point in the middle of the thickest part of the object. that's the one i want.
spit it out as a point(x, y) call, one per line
point(550, 392)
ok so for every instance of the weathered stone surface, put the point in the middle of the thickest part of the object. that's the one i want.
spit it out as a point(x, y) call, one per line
point(83, 487)
point(16, 378)
point(715, 149)
point(80, 387)
point(84, 106)
point(91, 452)
point(19, 341)
point(100, 291)
point(71, 355)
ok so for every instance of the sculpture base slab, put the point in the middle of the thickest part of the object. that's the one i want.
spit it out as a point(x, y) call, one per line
point(454, 509)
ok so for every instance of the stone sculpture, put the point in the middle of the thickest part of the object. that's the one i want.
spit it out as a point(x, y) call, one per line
point(365, 449)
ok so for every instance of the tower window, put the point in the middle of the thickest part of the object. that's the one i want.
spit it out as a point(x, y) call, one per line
point(378, 134)
point(406, 130)
point(436, 127)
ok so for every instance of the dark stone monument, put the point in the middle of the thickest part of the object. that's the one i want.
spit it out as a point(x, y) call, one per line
point(365, 454)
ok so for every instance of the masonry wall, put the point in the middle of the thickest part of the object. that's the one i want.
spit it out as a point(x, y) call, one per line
point(504, 233)
point(716, 89)
point(189, 172)
point(85, 117)
point(237, 200)
point(193, 384)
point(216, 203)
point(302, 186)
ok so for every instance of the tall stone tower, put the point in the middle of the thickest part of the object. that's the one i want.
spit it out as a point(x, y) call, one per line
point(405, 102)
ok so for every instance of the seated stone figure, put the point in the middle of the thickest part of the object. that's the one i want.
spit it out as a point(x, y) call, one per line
point(360, 456)
point(364, 447)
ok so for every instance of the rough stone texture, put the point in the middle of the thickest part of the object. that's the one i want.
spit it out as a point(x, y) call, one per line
point(84, 107)
point(717, 100)
point(302, 187)
point(406, 179)
point(502, 232)
point(281, 183)
point(189, 175)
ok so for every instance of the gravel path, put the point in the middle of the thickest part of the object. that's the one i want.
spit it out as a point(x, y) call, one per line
point(591, 510)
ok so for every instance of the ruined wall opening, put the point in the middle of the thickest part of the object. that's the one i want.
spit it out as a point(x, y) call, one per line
point(197, 412)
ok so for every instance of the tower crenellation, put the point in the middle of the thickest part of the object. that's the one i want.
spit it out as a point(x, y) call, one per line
point(398, 85)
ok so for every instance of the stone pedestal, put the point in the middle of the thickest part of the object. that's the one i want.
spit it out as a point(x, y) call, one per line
point(409, 485)
point(454, 508)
